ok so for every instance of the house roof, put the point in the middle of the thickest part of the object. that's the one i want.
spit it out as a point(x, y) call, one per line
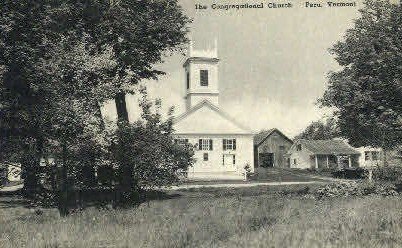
point(263, 135)
point(207, 104)
point(325, 147)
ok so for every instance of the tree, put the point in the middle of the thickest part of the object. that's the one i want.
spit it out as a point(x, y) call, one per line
point(147, 146)
point(367, 90)
point(321, 130)
point(62, 59)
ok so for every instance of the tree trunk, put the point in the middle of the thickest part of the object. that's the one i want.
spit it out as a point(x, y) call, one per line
point(121, 107)
point(30, 166)
point(63, 190)
point(385, 157)
point(99, 115)
point(126, 187)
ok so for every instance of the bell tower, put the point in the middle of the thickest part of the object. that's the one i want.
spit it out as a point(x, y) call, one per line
point(201, 76)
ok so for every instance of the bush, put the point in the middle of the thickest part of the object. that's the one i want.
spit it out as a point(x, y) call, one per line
point(3, 175)
point(145, 152)
point(339, 189)
point(390, 174)
point(351, 173)
point(361, 188)
point(386, 189)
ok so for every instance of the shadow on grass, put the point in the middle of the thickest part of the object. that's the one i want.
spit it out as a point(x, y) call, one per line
point(13, 201)
point(297, 190)
point(106, 198)
point(81, 199)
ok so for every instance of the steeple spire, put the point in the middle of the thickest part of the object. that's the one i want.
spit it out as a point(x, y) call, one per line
point(201, 75)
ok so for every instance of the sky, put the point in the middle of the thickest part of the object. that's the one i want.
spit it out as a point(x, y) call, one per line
point(273, 62)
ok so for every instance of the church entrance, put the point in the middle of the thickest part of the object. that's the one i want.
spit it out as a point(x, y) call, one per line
point(229, 162)
point(266, 160)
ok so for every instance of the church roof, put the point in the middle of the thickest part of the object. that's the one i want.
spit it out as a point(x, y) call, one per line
point(200, 59)
point(225, 125)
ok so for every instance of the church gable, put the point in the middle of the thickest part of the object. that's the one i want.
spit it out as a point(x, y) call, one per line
point(205, 118)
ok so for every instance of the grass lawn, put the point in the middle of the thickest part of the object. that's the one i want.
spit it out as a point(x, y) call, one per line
point(247, 217)
point(320, 172)
point(266, 175)
point(283, 175)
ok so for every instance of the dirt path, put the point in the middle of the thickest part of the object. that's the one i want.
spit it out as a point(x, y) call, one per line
point(236, 185)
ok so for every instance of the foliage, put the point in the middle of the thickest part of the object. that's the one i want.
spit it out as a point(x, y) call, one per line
point(367, 91)
point(321, 130)
point(339, 189)
point(390, 174)
point(247, 168)
point(353, 188)
point(3, 175)
point(148, 147)
point(61, 60)
point(351, 173)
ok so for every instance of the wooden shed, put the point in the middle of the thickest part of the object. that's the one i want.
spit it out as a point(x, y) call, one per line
point(270, 148)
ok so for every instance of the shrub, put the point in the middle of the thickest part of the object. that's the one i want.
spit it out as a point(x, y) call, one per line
point(3, 175)
point(390, 174)
point(344, 189)
point(386, 189)
point(350, 173)
point(145, 152)
point(339, 189)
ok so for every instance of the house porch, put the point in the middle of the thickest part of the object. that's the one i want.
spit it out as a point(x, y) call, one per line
point(320, 161)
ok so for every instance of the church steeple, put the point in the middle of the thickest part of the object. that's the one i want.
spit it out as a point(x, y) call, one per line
point(201, 76)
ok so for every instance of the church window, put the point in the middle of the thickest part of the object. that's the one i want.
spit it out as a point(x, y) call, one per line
point(229, 144)
point(204, 77)
point(205, 156)
point(205, 144)
point(188, 80)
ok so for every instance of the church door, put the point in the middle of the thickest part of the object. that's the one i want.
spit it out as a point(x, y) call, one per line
point(229, 162)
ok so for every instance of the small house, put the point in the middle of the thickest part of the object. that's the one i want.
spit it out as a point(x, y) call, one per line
point(370, 156)
point(270, 148)
point(310, 154)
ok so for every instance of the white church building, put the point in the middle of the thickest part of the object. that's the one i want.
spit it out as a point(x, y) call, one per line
point(222, 146)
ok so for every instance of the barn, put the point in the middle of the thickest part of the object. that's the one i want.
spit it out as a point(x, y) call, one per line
point(270, 148)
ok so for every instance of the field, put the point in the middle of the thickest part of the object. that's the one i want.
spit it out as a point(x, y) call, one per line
point(250, 217)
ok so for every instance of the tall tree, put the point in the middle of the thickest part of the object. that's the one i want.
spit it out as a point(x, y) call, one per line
point(321, 130)
point(62, 59)
point(367, 90)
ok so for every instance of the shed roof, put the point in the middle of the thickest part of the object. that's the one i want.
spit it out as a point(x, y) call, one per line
point(324, 147)
point(263, 135)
